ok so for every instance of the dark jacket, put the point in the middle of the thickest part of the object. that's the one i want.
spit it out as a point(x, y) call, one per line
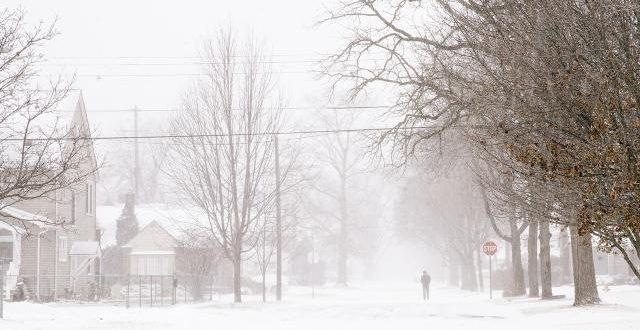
point(425, 279)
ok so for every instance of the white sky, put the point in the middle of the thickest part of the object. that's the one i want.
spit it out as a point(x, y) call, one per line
point(99, 39)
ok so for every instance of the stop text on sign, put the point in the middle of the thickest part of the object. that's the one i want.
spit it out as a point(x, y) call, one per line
point(489, 248)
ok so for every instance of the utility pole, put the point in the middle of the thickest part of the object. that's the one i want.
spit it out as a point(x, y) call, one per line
point(1, 288)
point(136, 166)
point(278, 223)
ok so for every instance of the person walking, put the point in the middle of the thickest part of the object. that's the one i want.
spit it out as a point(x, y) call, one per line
point(425, 280)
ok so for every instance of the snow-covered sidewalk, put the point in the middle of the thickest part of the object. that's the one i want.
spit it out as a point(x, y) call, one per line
point(364, 307)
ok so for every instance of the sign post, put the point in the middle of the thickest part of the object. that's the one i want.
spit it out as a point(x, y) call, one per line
point(490, 248)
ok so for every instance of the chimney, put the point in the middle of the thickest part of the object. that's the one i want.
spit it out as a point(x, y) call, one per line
point(130, 203)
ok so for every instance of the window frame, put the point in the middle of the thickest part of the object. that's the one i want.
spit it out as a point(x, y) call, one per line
point(73, 206)
point(90, 205)
point(63, 246)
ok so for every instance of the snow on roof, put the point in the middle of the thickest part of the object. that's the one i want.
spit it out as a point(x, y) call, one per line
point(172, 219)
point(17, 213)
point(85, 248)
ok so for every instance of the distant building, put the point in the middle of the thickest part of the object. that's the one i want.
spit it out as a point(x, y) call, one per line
point(54, 261)
point(152, 251)
point(160, 250)
point(613, 265)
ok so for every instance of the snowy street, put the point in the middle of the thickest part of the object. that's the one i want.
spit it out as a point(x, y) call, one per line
point(320, 165)
point(361, 307)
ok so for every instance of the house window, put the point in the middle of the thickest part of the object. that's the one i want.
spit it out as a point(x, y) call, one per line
point(165, 265)
point(142, 266)
point(151, 265)
point(62, 249)
point(6, 246)
point(90, 198)
point(73, 207)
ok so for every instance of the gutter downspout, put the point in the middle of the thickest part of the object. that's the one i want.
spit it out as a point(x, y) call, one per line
point(38, 264)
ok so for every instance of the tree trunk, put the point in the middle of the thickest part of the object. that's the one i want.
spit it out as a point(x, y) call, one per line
point(469, 282)
point(565, 256)
point(264, 287)
point(480, 275)
point(517, 286)
point(532, 259)
point(507, 254)
point(584, 275)
point(545, 260)
point(342, 257)
point(343, 239)
point(237, 276)
point(454, 271)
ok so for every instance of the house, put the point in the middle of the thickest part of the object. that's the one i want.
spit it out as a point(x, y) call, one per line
point(612, 268)
point(51, 260)
point(152, 251)
point(157, 249)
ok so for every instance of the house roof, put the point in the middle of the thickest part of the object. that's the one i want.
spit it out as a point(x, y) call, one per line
point(152, 224)
point(13, 212)
point(72, 110)
point(19, 214)
point(172, 219)
point(67, 118)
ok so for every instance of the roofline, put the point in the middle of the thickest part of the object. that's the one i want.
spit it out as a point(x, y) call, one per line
point(85, 119)
point(128, 245)
point(38, 220)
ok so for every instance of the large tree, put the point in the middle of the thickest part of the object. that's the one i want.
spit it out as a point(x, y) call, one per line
point(547, 89)
point(222, 159)
point(338, 156)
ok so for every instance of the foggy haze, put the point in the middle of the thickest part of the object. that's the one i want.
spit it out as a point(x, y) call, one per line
point(324, 164)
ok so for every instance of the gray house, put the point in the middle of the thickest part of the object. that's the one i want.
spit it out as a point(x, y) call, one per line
point(53, 261)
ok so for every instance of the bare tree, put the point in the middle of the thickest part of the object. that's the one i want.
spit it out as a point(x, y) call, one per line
point(539, 81)
point(223, 160)
point(338, 160)
point(265, 248)
point(40, 153)
point(197, 256)
point(445, 213)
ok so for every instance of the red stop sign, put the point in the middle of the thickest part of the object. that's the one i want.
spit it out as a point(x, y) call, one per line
point(489, 248)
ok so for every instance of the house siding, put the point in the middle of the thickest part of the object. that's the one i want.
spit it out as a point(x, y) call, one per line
point(29, 263)
point(56, 206)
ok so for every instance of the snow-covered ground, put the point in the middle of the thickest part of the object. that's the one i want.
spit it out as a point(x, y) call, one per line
point(368, 307)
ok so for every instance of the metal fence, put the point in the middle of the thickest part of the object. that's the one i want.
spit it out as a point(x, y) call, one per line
point(126, 290)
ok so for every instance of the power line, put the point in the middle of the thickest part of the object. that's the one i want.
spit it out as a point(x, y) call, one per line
point(189, 136)
point(237, 109)
point(167, 75)
point(201, 62)
point(266, 56)
point(268, 140)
